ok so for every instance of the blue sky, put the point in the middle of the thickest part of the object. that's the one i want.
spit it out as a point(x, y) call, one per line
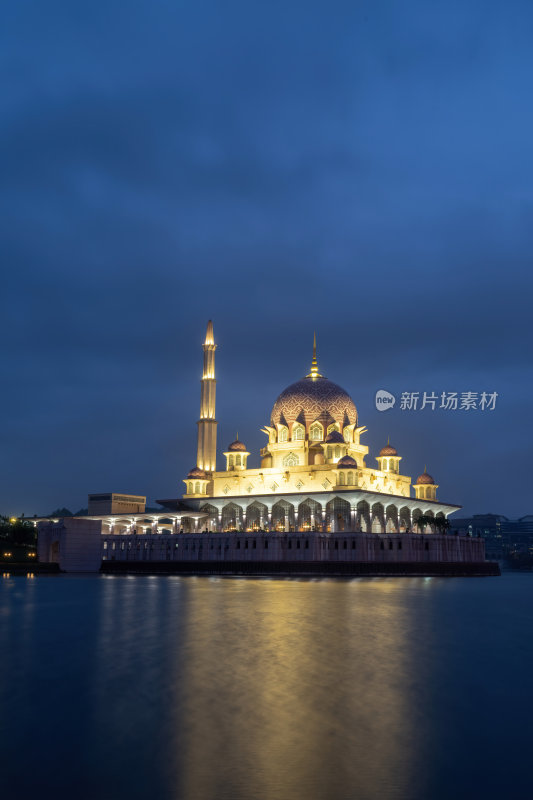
point(362, 169)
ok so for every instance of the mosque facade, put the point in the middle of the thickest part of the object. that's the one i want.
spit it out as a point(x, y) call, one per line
point(315, 472)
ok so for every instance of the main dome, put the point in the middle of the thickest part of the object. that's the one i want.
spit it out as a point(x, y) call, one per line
point(314, 398)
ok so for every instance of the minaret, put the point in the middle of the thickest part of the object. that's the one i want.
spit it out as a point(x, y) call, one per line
point(206, 458)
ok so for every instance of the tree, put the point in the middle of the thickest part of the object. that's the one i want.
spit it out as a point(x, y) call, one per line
point(61, 512)
point(423, 520)
point(442, 524)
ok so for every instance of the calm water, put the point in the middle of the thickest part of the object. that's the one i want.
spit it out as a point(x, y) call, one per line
point(117, 687)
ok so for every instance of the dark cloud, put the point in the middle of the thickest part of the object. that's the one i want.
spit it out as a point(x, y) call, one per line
point(360, 169)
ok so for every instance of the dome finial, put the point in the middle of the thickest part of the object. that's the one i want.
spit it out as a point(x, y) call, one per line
point(314, 373)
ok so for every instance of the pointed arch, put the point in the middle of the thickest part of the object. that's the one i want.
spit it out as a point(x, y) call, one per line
point(298, 432)
point(338, 515)
point(316, 431)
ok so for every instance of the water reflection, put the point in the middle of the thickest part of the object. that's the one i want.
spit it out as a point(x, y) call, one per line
point(197, 689)
point(294, 689)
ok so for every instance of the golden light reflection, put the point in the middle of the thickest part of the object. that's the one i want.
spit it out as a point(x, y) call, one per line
point(298, 686)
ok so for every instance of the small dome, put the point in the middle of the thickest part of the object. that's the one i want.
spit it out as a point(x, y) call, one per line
point(237, 445)
point(346, 461)
point(334, 437)
point(425, 478)
point(196, 472)
point(388, 451)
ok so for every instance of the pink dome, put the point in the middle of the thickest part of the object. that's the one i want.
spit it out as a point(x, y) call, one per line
point(314, 398)
point(425, 478)
point(347, 461)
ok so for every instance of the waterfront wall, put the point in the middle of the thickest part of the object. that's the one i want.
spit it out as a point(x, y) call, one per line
point(77, 545)
point(294, 547)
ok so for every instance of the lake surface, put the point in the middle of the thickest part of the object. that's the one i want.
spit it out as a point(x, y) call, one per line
point(214, 688)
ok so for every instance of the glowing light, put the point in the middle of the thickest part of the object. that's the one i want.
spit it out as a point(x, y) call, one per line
point(12, 519)
point(314, 373)
point(209, 336)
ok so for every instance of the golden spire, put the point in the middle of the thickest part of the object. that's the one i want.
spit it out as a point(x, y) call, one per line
point(314, 373)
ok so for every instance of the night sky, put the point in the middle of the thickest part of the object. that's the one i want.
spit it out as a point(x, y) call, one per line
point(362, 169)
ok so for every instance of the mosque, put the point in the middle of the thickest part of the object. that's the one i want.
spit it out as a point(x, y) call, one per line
point(316, 500)
point(313, 473)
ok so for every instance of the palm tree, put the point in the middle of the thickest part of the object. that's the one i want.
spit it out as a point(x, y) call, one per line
point(442, 524)
point(422, 521)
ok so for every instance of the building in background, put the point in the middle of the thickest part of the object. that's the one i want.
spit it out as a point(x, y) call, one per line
point(115, 504)
point(503, 537)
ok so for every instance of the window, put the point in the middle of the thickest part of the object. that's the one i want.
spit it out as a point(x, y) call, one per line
point(266, 544)
point(347, 435)
point(337, 452)
point(345, 545)
point(334, 427)
point(238, 544)
point(342, 479)
point(315, 432)
point(349, 479)
point(231, 462)
point(307, 544)
point(329, 453)
point(353, 544)
point(298, 432)
point(283, 434)
point(197, 487)
point(291, 460)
